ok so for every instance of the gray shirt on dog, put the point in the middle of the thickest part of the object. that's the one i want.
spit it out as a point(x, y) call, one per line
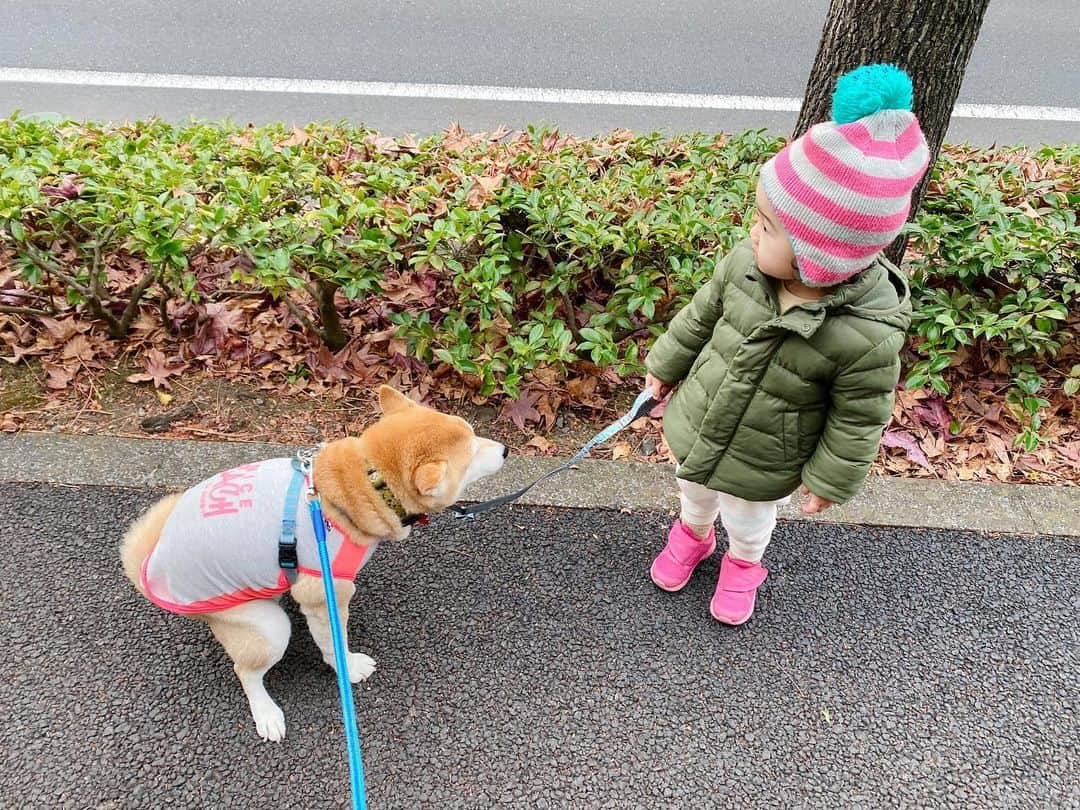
point(219, 546)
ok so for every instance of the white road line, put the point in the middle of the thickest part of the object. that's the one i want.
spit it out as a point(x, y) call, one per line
point(469, 92)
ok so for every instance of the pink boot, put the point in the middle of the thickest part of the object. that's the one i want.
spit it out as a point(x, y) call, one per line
point(736, 589)
point(671, 570)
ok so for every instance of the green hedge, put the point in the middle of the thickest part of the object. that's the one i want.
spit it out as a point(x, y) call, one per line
point(529, 250)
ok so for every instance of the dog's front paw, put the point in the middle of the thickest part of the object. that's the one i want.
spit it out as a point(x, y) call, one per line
point(269, 722)
point(361, 667)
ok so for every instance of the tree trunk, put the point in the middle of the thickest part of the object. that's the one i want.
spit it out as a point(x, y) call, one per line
point(930, 39)
point(332, 331)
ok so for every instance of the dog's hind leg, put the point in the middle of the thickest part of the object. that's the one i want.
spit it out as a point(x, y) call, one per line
point(310, 595)
point(255, 636)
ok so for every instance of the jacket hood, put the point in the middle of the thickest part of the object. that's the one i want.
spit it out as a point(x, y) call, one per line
point(880, 293)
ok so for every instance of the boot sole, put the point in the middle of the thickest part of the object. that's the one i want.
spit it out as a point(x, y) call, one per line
point(672, 588)
point(731, 623)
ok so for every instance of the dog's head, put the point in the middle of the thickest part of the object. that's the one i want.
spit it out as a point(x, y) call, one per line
point(428, 457)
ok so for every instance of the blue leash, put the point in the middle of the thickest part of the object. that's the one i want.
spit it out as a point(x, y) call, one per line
point(302, 465)
point(348, 710)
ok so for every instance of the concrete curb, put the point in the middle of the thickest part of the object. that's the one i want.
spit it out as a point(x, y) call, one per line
point(177, 464)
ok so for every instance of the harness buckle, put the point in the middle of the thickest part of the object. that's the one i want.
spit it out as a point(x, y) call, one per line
point(287, 557)
point(288, 562)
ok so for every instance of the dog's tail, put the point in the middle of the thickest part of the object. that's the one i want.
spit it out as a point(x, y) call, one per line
point(142, 536)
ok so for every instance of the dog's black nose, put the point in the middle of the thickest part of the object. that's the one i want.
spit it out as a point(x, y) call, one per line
point(506, 451)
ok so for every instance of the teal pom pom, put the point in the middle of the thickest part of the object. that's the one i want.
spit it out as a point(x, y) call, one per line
point(868, 89)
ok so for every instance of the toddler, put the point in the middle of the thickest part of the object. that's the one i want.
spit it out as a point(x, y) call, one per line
point(786, 361)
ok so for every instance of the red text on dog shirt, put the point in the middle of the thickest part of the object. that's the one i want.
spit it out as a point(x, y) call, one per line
point(229, 492)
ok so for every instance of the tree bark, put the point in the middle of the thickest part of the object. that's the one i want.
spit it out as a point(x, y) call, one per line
point(333, 333)
point(931, 39)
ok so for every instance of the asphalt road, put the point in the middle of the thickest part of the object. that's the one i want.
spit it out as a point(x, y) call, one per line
point(526, 661)
point(1026, 55)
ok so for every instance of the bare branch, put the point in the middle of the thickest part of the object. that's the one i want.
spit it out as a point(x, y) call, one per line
point(304, 319)
point(568, 305)
point(48, 266)
point(136, 296)
point(22, 311)
point(23, 294)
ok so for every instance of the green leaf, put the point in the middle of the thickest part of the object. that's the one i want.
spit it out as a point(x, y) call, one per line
point(916, 381)
point(939, 364)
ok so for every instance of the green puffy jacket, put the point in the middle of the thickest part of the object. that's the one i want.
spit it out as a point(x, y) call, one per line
point(769, 400)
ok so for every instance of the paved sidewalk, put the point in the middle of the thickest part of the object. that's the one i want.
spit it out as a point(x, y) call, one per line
point(107, 460)
point(526, 661)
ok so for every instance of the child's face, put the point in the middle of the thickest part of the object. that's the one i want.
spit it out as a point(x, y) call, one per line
point(772, 248)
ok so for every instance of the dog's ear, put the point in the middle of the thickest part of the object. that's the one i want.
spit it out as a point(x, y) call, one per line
point(392, 400)
point(428, 477)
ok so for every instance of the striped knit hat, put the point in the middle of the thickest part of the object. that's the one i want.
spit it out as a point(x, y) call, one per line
point(843, 190)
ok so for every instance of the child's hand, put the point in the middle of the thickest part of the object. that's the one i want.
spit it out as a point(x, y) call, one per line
point(657, 387)
point(816, 503)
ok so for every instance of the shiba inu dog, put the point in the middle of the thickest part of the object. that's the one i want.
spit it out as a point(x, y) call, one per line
point(212, 553)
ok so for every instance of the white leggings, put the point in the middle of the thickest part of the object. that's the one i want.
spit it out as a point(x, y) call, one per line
point(749, 524)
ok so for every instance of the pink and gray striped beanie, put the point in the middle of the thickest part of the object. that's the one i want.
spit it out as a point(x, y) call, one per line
point(843, 190)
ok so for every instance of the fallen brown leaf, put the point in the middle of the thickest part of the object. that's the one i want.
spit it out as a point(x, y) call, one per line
point(58, 376)
point(157, 369)
point(540, 444)
point(298, 138)
point(10, 422)
point(521, 410)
